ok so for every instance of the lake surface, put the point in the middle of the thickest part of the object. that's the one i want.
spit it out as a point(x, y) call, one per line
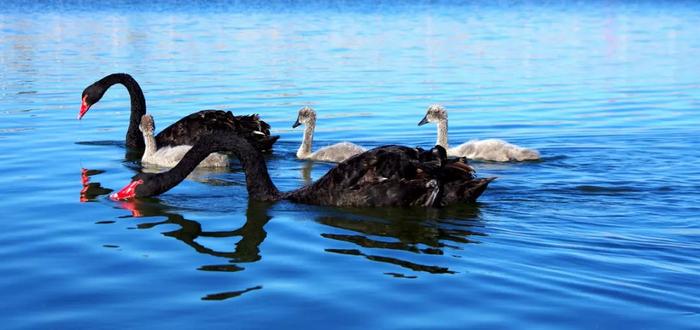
point(603, 232)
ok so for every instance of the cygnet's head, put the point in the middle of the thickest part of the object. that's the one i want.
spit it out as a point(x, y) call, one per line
point(147, 125)
point(307, 116)
point(435, 113)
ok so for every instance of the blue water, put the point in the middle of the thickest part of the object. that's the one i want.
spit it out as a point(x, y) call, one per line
point(603, 232)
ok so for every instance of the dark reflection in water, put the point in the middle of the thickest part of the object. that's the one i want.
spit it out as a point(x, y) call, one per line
point(418, 231)
point(306, 172)
point(91, 190)
point(251, 233)
point(247, 249)
point(230, 294)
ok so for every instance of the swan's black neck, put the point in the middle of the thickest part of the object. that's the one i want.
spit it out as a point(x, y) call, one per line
point(162, 182)
point(134, 138)
point(258, 181)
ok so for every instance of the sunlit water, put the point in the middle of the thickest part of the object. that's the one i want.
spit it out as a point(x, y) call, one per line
point(604, 231)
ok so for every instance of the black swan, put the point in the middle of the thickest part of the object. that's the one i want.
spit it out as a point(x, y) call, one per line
point(188, 129)
point(384, 176)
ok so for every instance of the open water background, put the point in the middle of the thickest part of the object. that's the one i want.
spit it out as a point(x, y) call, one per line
point(602, 232)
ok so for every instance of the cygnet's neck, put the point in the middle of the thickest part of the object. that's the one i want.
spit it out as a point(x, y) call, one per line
point(442, 133)
point(150, 143)
point(305, 148)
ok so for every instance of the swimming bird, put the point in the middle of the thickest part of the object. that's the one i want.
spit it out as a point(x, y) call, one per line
point(185, 131)
point(334, 153)
point(383, 176)
point(489, 149)
point(169, 156)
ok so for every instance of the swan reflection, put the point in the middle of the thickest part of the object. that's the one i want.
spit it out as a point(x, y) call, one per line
point(415, 241)
point(371, 232)
point(247, 249)
point(417, 231)
point(306, 172)
point(91, 190)
point(251, 233)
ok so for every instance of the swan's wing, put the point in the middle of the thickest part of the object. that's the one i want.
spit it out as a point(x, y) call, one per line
point(367, 179)
point(190, 128)
point(252, 123)
point(423, 178)
point(461, 191)
point(458, 168)
point(256, 131)
point(369, 166)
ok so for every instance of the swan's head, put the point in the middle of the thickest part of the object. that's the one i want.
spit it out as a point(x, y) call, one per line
point(91, 95)
point(141, 185)
point(307, 116)
point(147, 126)
point(435, 114)
point(128, 192)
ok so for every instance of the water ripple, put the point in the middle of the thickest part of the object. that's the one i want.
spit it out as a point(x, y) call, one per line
point(602, 231)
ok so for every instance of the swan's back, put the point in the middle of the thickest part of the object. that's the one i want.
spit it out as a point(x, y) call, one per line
point(189, 129)
point(337, 153)
point(493, 150)
point(394, 176)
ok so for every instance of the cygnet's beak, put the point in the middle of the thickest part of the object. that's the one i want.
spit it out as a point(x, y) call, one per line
point(296, 123)
point(424, 120)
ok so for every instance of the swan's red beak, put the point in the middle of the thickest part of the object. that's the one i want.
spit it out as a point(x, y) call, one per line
point(127, 192)
point(84, 107)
